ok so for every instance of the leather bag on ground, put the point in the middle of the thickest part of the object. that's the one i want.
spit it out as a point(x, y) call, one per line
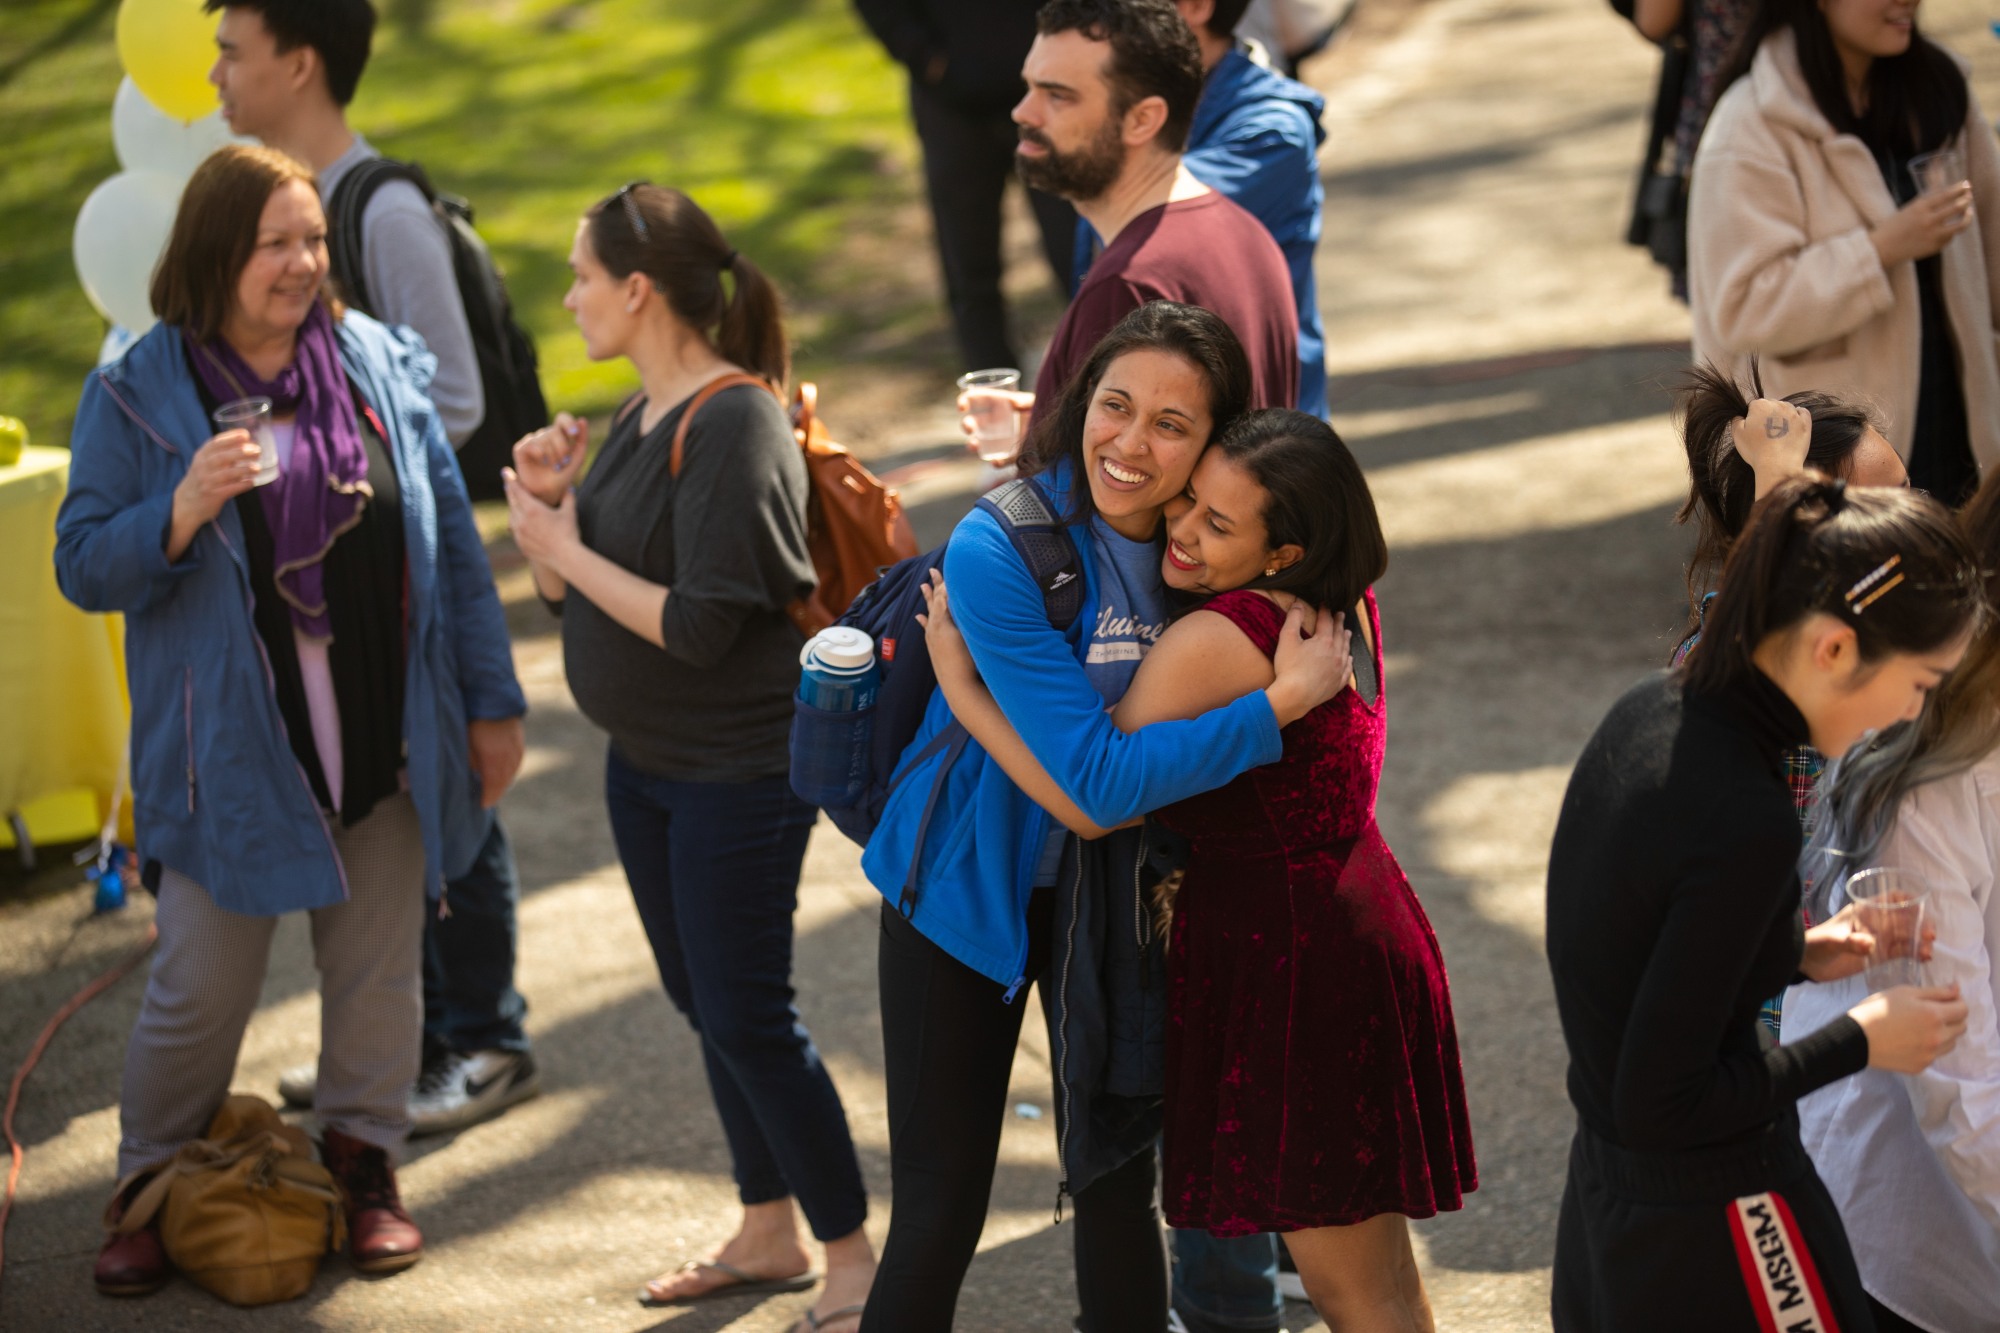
point(246, 1212)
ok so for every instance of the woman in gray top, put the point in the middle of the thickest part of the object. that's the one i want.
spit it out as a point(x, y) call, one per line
point(672, 582)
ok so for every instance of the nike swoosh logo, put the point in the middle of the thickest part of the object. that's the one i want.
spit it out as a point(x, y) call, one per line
point(474, 1090)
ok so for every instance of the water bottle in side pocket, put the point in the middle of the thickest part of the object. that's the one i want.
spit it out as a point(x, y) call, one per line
point(834, 716)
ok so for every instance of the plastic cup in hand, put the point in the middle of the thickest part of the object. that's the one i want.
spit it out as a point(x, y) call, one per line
point(253, 415)
point(996, 425)
point(1937, 171)
point(1890, 906)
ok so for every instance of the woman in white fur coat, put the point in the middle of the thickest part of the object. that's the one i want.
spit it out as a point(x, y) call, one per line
point(1812, 249)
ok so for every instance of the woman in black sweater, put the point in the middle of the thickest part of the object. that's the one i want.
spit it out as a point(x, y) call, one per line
point(1673, 911)
point(672, 564)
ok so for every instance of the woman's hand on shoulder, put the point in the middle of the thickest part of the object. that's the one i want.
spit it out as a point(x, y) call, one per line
point(1909, 1027)
point(547, 461)
point(951, 659)
point(1204, 661)
point(1313, 662)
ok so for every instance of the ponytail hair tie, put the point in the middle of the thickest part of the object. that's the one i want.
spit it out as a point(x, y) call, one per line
point(729, 261)
point(1834, 493)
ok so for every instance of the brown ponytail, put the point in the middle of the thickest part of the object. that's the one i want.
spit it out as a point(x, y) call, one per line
point(707, 283)
point(1721, 486)
point(1815, 545)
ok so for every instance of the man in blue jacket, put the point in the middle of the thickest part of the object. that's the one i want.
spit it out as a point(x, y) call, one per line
point(1255, 139)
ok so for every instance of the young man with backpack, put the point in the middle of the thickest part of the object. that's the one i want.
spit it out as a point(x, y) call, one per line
point(286, 71)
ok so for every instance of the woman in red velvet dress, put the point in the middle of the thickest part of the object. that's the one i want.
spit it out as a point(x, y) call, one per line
point(1313, 1080)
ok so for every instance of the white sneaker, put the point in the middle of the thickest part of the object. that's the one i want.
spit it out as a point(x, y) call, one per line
point(466, 1089)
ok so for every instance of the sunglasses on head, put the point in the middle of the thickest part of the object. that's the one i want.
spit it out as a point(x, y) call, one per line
point(633, 216)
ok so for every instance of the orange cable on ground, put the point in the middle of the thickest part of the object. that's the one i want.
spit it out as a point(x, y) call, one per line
point(62, 1015)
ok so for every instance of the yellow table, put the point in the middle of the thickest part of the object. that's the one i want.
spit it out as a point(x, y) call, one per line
point(63, 708)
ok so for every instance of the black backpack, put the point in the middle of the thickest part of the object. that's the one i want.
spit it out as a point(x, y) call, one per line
point(506, 354)
point(887, 609)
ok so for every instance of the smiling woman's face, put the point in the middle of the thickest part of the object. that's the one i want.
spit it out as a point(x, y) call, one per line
point(1870, 29)
point(1146, 427)
point(1216, 539)
point(282, 278)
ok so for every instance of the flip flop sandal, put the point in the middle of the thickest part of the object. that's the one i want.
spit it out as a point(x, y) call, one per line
point(816, 1322)
point(740, 1284)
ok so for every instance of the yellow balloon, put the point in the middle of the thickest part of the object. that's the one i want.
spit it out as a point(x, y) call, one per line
point(167, 46)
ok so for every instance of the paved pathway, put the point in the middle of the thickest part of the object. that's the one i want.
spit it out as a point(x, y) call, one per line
point(1499, 360)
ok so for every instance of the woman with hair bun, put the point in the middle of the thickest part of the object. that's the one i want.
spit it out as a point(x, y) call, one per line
point(1741, 445)
point(1673, 911)
point(672, 565)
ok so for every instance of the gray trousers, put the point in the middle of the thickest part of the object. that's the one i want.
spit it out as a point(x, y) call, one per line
point(208, 972)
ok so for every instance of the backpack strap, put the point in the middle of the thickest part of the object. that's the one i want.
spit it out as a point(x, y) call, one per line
point(1043, 542)
point(700, 400)
point(345, 209)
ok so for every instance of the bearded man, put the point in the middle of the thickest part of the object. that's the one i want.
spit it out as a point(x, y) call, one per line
point(1112, 89)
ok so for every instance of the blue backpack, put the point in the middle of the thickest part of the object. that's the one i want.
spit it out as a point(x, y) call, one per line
point(887, 609)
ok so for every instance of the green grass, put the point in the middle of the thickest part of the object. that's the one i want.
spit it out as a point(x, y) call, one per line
point(782, 117)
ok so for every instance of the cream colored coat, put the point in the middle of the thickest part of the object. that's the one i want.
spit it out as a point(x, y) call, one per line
point(1780, 264)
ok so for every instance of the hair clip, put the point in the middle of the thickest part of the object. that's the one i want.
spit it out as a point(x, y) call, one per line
point(1857, 602)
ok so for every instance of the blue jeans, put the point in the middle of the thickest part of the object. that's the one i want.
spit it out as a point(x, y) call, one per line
point(714, 870)
point(1224, 1285)
point(470, 1003)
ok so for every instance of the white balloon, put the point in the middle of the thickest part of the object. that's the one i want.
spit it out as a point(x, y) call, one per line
point(147, 139)
point(120, 231)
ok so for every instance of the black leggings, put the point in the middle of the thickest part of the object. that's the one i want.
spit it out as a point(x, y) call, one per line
point(948, 1047)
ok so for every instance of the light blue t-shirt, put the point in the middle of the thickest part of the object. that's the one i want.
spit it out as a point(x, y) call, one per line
point(1130, 616)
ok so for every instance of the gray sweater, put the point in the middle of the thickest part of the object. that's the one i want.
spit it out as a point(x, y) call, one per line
point(409, 276)
point(728, 539)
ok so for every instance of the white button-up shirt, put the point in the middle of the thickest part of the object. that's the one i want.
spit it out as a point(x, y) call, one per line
point(1913, 1163)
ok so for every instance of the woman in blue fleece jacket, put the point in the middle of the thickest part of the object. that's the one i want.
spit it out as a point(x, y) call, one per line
point(967, 923)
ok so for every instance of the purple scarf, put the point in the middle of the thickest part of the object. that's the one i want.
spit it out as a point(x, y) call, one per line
point(324, 485)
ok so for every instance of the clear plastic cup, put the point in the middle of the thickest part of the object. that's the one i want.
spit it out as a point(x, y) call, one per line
point(1937, 171)
point(1890, 905)
point(996, 425)
point(253, 415)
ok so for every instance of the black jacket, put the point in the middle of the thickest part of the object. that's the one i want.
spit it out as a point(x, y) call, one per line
point(981, 42)
point(1107, 988)
point(1673, 911)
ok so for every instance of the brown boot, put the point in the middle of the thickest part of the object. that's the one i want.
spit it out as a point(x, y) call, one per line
point(133, 1264)
point(381, 1238)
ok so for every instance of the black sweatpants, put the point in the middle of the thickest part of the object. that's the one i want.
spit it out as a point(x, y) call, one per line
point(1736, 1239)
point(948, 1049)
point(968, 160)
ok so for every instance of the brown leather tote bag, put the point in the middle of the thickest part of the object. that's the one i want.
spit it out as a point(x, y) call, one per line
point(246, 1212)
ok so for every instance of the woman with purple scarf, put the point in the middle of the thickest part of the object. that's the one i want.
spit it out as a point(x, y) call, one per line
point(323, 697)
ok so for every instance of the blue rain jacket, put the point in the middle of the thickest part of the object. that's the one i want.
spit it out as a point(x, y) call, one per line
point(1256, 138)
point(976, 858)
point(217, 793)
